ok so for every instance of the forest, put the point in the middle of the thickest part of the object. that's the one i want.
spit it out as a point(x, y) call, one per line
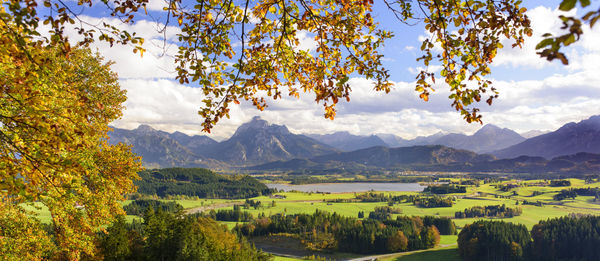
point(198, 182)
point(139, 206)
point(572, 193)
point(235, 214)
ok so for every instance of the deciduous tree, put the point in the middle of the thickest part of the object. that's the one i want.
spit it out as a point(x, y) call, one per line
point(54, 115)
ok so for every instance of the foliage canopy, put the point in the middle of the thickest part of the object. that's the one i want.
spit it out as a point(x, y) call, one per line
point(251, 50)
point(54, 115)
point(56, 101)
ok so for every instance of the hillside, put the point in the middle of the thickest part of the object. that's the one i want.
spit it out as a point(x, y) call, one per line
point(161, 149)
point(571, 138)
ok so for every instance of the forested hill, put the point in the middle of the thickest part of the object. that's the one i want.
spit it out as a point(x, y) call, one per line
point(198, 182)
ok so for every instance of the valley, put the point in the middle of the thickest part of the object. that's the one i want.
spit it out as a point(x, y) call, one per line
point(495, 174)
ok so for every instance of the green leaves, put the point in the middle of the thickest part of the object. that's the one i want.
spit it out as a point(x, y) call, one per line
point(550, 47)
point(567, 5)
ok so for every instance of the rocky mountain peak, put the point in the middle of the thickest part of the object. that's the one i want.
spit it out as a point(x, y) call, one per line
point(257, 124)
point(145, 128)
point(491, 130)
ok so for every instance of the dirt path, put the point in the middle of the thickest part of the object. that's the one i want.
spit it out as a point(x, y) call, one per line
point(398, 254)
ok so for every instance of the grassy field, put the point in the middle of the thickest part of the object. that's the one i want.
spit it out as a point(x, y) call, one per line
point(482, 195)
point(304, 203)
point(300, 202)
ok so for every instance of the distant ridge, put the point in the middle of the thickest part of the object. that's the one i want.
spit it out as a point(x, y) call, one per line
point(436, 159)
point(488, 138)
point(385, 158)
point(345, 141)
point(571, 138)
point(258, 145)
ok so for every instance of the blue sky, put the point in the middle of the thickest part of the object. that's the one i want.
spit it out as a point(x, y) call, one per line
point(534, 94)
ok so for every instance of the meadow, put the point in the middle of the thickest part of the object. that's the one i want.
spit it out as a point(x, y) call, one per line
point(480, 195)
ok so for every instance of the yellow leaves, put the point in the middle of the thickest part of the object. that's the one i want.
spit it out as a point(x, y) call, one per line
point(62, 108)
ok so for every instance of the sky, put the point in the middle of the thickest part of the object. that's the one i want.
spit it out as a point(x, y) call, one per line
point(534, 94)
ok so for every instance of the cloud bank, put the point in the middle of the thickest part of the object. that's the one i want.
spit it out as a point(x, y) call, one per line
point(572, 94)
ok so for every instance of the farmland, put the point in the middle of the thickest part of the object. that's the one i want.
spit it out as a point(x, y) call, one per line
point(537, 192)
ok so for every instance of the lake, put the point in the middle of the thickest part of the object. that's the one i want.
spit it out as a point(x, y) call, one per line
point(349, 187)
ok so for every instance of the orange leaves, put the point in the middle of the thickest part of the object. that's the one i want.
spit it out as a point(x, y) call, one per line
point(468, 48)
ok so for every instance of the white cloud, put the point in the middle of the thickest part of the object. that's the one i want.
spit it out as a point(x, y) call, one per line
point(544, 104)
point(157, 61)
point(157, 5)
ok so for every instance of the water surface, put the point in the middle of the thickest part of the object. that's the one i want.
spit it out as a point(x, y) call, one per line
point(349, 187)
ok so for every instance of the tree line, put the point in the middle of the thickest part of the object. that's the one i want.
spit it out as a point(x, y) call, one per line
point(421, 201)
point(384, 212)
point(139, 206)
point(501, 211)
point(432, 202)
point(330, 231)
point(235, 214)
point(574, 192)
point(445, 189)
point(565, 238)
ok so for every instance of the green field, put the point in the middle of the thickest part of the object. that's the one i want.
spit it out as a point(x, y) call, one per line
point(307, 203)
point(482, 195)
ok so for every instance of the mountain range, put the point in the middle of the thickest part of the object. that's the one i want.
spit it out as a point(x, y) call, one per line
point(489, 138)
point(571, 138)
point(162, 149)
point(260, 145)
point(435, 158)
point(254, 142)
